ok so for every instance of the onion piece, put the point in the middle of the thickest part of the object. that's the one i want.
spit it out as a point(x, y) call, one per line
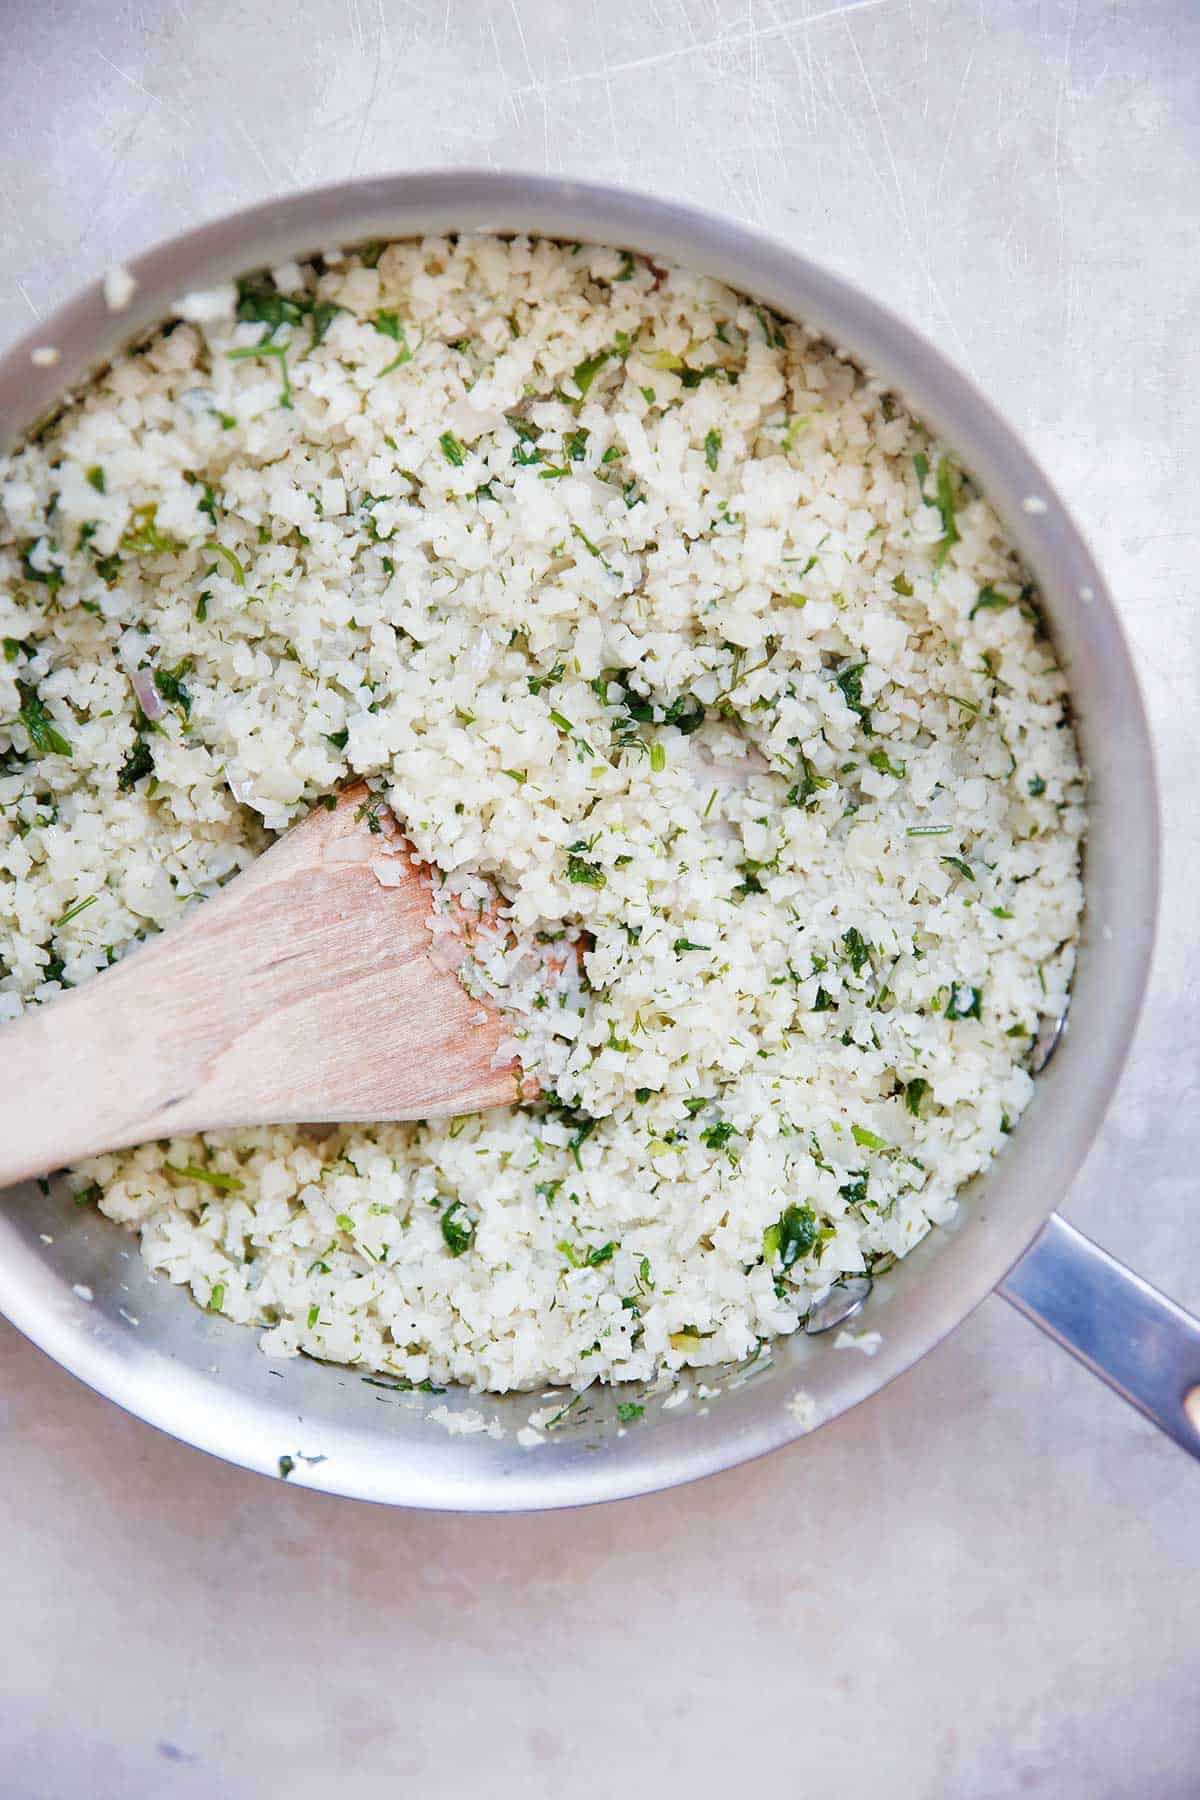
point(148, 696)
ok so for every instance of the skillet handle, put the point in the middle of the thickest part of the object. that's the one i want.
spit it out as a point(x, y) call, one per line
point(1124, 1330)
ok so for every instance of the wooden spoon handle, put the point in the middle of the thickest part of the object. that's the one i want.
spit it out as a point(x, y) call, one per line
point(304, 991)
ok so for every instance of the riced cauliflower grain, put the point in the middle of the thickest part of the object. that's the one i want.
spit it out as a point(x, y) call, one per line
point(705, 684)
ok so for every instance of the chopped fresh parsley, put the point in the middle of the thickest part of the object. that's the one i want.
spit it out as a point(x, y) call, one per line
point(914, 1092)
point(452, 450)
point(458, 1228)
point(965, 1002)
point(44, 735)
point(850, 683)
point(51, 578)
point(989, 600)
point(717, 1136)
point(139, 762)
point(945, 505)
point(213, 1178)
point(142, 536)
point(685, 713)
point(584, 1128)
point(260, 351)
point(585, 372)
point(858, 951)
point(388, 325)
point(582, 872)
point(169, 683)
point(805, 791)
point(227, 556)
point(712, 449)
point(792, 1236)
point(537, 682)
point(628, 1410)
point(879, 759)
point(321, 318)
point(868, 1140)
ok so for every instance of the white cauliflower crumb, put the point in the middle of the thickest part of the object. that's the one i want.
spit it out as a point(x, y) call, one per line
point(119, 289)
point(465, 1423)
point(804, 1410)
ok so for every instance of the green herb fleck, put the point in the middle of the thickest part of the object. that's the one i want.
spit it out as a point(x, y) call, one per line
point(44, 735)
point(139, 762)
point(850, 683)
point(914, 1092)
point(585, 372)
point(212, 548)
point(867, 1140)
point(791, 1237)
point(858, 951)
point(717, 1136)
point(585, 874)
point(458, 1228)
point(965, 1002)
point(945, 505)
point(213, 1178)
point(989, 600)
point(73, 912)
point(879, 759)
point(389, 326)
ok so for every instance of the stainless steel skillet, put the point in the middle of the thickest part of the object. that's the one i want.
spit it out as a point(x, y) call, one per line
point(75, 1284)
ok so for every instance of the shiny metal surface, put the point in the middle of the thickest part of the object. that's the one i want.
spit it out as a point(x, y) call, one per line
point(1126, 1332)
point(143, 1343)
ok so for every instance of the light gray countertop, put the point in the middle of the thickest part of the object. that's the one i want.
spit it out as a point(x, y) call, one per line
point(986, 1581)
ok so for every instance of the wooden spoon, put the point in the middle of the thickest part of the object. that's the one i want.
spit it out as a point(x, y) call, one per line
point(305, 990)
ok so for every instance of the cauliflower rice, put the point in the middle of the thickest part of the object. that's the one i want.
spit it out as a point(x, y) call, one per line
point(708, 688)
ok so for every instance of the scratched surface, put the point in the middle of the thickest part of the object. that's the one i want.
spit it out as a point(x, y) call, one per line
point(984, 1583)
